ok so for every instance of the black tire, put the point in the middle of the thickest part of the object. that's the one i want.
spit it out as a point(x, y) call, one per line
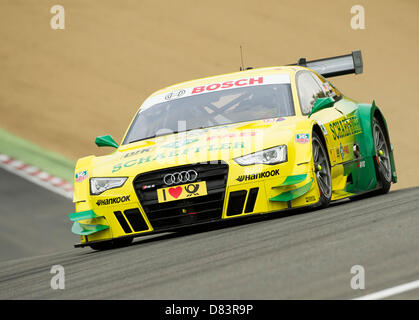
point(382, 157)
point(122, 242)
point(322, 170)
point(116, 243)
point(100, 246)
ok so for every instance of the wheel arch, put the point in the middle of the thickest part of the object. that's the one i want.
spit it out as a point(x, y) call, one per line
point(319, 132)
point(366, 114)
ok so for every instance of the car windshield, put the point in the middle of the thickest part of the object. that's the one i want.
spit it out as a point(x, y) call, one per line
point(212, 109)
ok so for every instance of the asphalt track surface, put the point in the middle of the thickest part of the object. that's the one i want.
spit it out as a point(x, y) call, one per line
point(303, 255)
point(34, 220)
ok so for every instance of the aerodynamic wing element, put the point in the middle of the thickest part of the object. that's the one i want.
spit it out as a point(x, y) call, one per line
point(335, 66)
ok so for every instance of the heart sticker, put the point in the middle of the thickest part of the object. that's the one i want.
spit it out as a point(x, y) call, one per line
point(175, 192)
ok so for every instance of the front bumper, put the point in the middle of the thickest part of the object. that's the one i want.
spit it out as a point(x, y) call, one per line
point(229, 196)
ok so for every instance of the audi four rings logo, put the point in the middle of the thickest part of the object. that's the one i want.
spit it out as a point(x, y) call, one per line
point(180, 177)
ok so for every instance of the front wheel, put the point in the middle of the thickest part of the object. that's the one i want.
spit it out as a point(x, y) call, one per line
point(322, 170)
point(111, 244)
point(122, 242)
point(383, 164)
point(100, 246)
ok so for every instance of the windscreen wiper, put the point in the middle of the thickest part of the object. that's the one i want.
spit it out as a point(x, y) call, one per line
point(161, 135)
point(150, 137)
point(199, 128)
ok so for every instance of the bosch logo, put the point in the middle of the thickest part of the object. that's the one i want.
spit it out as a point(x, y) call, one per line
point(180, 177)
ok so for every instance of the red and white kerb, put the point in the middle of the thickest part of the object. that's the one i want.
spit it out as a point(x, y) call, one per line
point(37, 176)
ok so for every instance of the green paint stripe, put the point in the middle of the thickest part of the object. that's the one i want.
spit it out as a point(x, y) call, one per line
point(292, 194)
point(292, 180)
point(83, 215)
point(32, 154)
point(87, 229)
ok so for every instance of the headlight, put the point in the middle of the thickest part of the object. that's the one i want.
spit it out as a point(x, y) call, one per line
point(269, 156)
point(99, 185)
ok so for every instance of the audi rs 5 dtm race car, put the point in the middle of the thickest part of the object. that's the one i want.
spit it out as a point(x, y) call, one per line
point(251, 142)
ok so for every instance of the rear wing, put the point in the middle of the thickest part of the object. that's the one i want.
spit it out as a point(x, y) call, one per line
point(335, 66)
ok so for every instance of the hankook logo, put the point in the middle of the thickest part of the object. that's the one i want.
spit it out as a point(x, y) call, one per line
point(105, 202)
point(255, 176)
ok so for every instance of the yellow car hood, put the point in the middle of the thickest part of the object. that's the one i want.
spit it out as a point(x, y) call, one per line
point(216, 143)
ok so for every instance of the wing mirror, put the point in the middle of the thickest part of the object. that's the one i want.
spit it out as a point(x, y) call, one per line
point(106, 141)
point(322, 103)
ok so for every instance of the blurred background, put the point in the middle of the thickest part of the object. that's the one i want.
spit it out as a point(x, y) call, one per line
point(62, 88)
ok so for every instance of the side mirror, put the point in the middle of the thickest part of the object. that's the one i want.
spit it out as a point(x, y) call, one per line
point(106, 141)
point(322, 103)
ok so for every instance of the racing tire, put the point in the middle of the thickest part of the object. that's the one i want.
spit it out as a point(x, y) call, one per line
point(322, 171)
point(382, 157)
point(116, 243)
point(122, 242)
point(100, 246)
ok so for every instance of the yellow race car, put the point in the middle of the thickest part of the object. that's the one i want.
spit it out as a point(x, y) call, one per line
point(251, 142)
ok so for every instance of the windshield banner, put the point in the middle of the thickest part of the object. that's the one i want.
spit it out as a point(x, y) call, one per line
point(216, 86)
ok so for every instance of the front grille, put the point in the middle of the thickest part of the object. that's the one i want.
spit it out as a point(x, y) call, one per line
point(135, 219)
point(251, 200)
point(122, 221)
point(236, 202)
point(186, 211)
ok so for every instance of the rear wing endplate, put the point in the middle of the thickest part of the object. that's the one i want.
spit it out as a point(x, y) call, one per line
point(335, 66)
